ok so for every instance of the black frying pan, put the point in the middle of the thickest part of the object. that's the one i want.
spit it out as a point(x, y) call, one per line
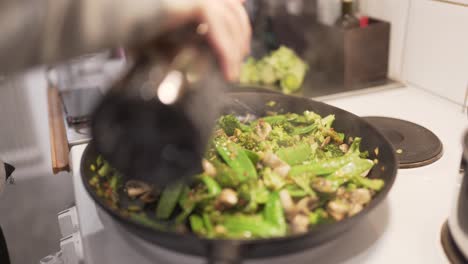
point(233, 251)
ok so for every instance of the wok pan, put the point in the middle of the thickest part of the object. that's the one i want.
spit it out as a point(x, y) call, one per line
point(234, 251)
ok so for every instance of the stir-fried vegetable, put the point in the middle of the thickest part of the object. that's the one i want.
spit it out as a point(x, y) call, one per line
point(274, 176)
point(282, 67)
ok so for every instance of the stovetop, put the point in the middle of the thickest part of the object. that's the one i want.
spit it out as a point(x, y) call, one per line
point(405, 228)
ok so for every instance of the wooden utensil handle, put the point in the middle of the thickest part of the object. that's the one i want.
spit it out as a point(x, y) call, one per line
point(58, 136)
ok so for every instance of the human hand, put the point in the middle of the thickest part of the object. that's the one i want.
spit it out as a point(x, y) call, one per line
point(228, 28)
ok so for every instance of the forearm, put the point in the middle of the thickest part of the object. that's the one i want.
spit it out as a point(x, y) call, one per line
point(34, 32)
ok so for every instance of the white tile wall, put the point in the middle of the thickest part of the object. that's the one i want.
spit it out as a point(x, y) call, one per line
point(437, 48)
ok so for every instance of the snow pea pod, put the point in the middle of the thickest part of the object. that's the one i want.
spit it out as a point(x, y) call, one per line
point(322, 167)
point(236, 158)
point(168, 200)
point(296, 154)
point(274, 213)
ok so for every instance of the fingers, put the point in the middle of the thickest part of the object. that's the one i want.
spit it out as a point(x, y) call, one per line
point(229, 29)
point(229, 33)
point(243, 24)
point(220, 39)
point(234, 32)
point(232, 16)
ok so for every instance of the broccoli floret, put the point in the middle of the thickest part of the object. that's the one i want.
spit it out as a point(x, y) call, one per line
point(249, 73)
point(333, 151)
point(229, 124)
point(281, 137)
point(319, 216)
point(311, 116)
point(281, 66)
point(285, 125)
point(266, 73)
point(268, 146)
point(248, 141)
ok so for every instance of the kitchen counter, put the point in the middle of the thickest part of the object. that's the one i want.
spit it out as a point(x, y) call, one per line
point(405, 228)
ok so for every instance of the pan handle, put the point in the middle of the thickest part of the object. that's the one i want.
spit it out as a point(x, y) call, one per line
point(224, 253)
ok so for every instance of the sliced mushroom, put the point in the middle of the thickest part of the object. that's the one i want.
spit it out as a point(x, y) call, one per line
point(344, 148)
point(208, 168)
point(323, 185)
point(279, 166)
point(283, 170)
point(342, 193)
point(286, 201)
point(263, 129)
point(325, 142)
point(300, 224)
point(149, 197)
point(355, 209)
point(136, 188)
point(227, 198)
point(219, 229)
point(307, 204)
point(360, 196)
point(338, 209)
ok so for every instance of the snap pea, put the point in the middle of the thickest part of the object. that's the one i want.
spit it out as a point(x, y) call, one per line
point(303, 181)
point(353, 169)
point(114, 182)
point(145, 220)
point(197, 225)
point(211, 185)
point(295, 191)
point(236, 158)
point(253, 156)
point(105, 169)
point(322, 167)
point(373, 184)
point(274, 213)
point(354, 148)
point(249, 226)
point(225, 176)
point(296, 154)
point(255, 194)
point(186, 204)
point(168, 200)
point(184, 200)
point(208, 225)
point(304, 130)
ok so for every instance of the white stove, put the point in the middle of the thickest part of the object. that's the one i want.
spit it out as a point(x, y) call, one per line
point(405, 228)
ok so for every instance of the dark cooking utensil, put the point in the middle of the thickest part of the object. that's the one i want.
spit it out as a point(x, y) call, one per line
point(234, 251)
point(154, 124)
